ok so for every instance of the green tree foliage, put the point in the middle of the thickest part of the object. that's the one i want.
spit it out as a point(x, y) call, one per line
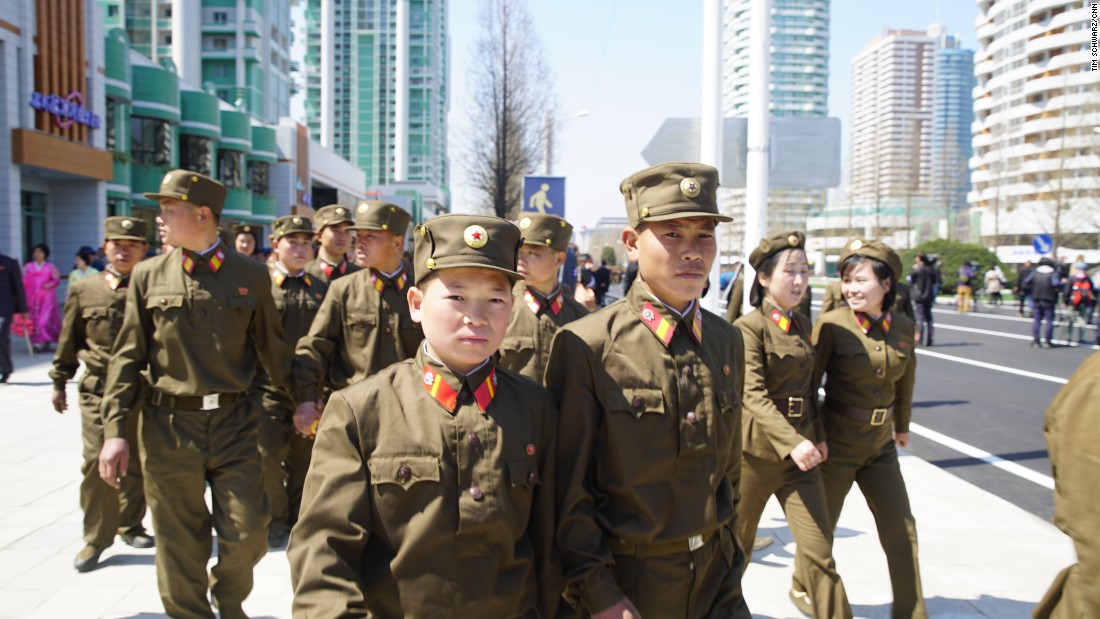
point(607, 256)
point(951, 256)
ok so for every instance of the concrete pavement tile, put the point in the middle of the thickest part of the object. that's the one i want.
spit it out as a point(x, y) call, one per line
point(11, 535)
point(15, 562)
point(81, 600)
point(20, 603)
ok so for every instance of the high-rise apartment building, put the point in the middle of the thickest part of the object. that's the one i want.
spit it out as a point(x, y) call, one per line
point(799, 76)
point(376, 81)
point(243, 46)
point(1036, 164)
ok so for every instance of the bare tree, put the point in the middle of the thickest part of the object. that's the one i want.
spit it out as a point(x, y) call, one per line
point(511, 94)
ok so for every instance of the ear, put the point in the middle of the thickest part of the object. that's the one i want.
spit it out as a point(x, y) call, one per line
point(630, 242)
point(559, 258)
point(415, 298)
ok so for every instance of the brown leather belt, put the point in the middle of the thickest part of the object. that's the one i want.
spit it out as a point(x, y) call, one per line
point(197, 402)
point(662, 549)
point(793, 407)
point(872, 416)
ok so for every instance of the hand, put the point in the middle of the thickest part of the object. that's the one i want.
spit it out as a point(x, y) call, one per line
point(585, 296)
point(304, 416)
point(823, 448)
point(902, 439)
point(806, 455)
point(114, 459)
point(623, 609)
point(58, 401)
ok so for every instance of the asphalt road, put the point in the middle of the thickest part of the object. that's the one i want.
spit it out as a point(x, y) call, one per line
point(962, 410)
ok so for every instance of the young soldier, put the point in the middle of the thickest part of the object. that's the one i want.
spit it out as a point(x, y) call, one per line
point(649, 431)
point(198, 321)
point(244, 239)
point(432, 493)
point(541, 305)
point(903, 302)
point(286, 453)
point(93, 315)
point(364, 325)
point(332, 223)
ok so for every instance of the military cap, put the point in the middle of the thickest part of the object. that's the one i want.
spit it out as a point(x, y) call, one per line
point(291, 224)
point(671, 191)
point(245, 229)
point(872, 248)
point(191, 187)
point(549, 230)
point(379, 215)
point(453, 241)
point(331, 215)
point(125, 228)
point(768, 247)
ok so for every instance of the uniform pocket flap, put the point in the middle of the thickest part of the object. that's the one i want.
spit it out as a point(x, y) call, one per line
point(637, 401)
point(523, 474)
point(243, 302)
point(728, 399)
point(403, 471)
point(91, 313)
point(164, 301)
point(521, 342)
point(362, 319)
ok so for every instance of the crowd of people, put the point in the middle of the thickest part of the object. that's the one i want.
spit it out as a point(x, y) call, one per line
point(456, 432)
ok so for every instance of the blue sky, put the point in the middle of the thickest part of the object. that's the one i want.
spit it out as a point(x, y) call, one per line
point(631, 64)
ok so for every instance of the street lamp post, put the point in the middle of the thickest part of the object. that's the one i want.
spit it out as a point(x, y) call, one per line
point(551, 124)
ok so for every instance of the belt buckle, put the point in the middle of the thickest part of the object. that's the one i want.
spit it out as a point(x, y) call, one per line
point(210, 402)
point(695, 542)
point(878, 416)
point(794, 403)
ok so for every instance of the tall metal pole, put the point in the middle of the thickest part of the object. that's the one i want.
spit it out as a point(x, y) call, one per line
point(758, 160)
point(710, 137)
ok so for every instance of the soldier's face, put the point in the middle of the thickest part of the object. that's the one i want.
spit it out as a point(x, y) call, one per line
point(295, 251)
point(335, 238)
point(673, 257)
point(378, 249)
point(179, 223)
point(539, 264)
point(862, 289)
point(245, 244)
point(123, 254)
point(787, 282)
point(464, 313)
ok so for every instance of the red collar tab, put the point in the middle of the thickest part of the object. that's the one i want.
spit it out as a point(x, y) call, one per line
point(439, 389)
point(781, 320)
point(697, 324)
point(329, 269)
point(865, 322)
point(379, 281)
point(660, 327)
point(113, 281)
point(487, 391)
point(216, 261)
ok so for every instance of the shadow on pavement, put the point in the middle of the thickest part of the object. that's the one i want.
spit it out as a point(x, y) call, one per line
point(127, 560)
point(987, 605)
point(935, 403)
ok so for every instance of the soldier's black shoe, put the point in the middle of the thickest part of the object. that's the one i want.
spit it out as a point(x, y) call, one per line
point(88, 558)
point(137, 538)
point(277, 538)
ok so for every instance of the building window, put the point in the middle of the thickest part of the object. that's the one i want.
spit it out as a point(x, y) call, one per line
point(150, 141)
point(112, 125)
point(197, 154)
point(257, 177)
point(231, 168)
point(220, 17)
point(112, 11)
point(220, 44)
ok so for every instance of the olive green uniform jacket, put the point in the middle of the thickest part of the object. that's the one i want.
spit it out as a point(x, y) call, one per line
point(649, 437)
point(329, 273)
point(535, 319)
point(1072, 433)
point(415, 510)
point(358, 331)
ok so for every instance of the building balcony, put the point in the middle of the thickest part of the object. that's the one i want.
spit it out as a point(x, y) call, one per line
point(1035, 7)
point(1058, 41)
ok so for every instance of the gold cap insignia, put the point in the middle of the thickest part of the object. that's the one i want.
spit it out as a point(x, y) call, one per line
point(547, 242)
point(385, 226)
point(340, 212)
point(297, 221)
point(856, 244)
point(689, 187)
point(525, 223)
point(793, 240)
point(184, 197)
point(475, 236)
point(194, 179)
point(127, 224)
point(248, 228)
point(562, 224)
point(363, 208)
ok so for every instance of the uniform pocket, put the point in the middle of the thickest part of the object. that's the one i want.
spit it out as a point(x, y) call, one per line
point(402, 471)
point(516, 352)
point(359, 328)
point(638, 402)
point(523, 474)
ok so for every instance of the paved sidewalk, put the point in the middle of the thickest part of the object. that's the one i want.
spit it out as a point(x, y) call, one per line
point(980, 555)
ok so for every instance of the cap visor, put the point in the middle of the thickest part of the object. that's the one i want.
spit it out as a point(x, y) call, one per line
point(124, 237)
point(686, 215)
point(512, 275)
point(158, 196)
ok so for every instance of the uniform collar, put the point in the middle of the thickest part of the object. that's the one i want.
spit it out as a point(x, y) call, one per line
point(866, 323)
point(662, 320)
point(380, 280)
point(280, 275)
point(782, 320)
point(328, 268)
point(535, 300)
point(445, 385)
point(113, 278)
point(214, 257)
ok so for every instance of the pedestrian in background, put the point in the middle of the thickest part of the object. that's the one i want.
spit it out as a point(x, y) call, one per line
point(40, 280)
point(334, 239)
point(1044, 286)
point(1080, 298)
point(13, 302)
point(865, 352)
point(1022, 289)
point(925, 281)
point(964, 289)
point(82, 266)
point(994, 283)
point(784, 436)
point(245, 239)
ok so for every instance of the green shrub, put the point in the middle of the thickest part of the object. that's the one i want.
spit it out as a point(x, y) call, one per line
point(951, 256)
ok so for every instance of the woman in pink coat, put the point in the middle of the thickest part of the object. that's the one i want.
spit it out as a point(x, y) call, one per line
point(40, 279)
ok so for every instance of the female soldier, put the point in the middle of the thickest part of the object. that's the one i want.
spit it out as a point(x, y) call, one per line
point(867, 353)
point(784, 439)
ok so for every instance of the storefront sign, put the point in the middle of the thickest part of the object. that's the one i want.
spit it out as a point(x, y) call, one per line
point(66, 111)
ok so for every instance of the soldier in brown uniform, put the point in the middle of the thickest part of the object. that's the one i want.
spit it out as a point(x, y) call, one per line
point(93, 315)
point(866, 352)
point(541, 305)
point(649, 432)
point(784, 436)
point(198, 321)
point(286, 453)
point(432, 493)
point(903, 301)
point(363, 325)
point(244, 239)
point(1072, 435)
point(332, 223)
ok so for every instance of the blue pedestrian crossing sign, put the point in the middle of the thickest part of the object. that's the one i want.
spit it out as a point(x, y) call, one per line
point(1042, 244)
point(544, 194)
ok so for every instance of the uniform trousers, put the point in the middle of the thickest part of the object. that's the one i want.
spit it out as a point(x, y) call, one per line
point(1065, 598)
point(286, 457)
point(867, 455)
point(703, 583)
point(802, 496)
point(185, 450)
point(107, 511)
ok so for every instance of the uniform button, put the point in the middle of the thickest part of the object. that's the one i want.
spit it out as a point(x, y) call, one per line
point(691, 417)
point(404, 473)
point(164, 301)
point(386, 330)
point(517, 345)
point(531, 477)
point(464, 395)
point(878, 347)
point(475, 440)
point(476, 493)
point(878, 372)
point(201, 312)
point(798, 343)
point(636, 402)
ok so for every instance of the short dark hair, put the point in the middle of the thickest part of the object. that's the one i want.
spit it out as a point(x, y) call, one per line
point(767, 267)
point(882, 272)
point(87, 254)
point(45, 250)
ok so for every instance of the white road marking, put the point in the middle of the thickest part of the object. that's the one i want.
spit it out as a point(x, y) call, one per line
point(980, 454)
point(993, 366)
point(1014, 336)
